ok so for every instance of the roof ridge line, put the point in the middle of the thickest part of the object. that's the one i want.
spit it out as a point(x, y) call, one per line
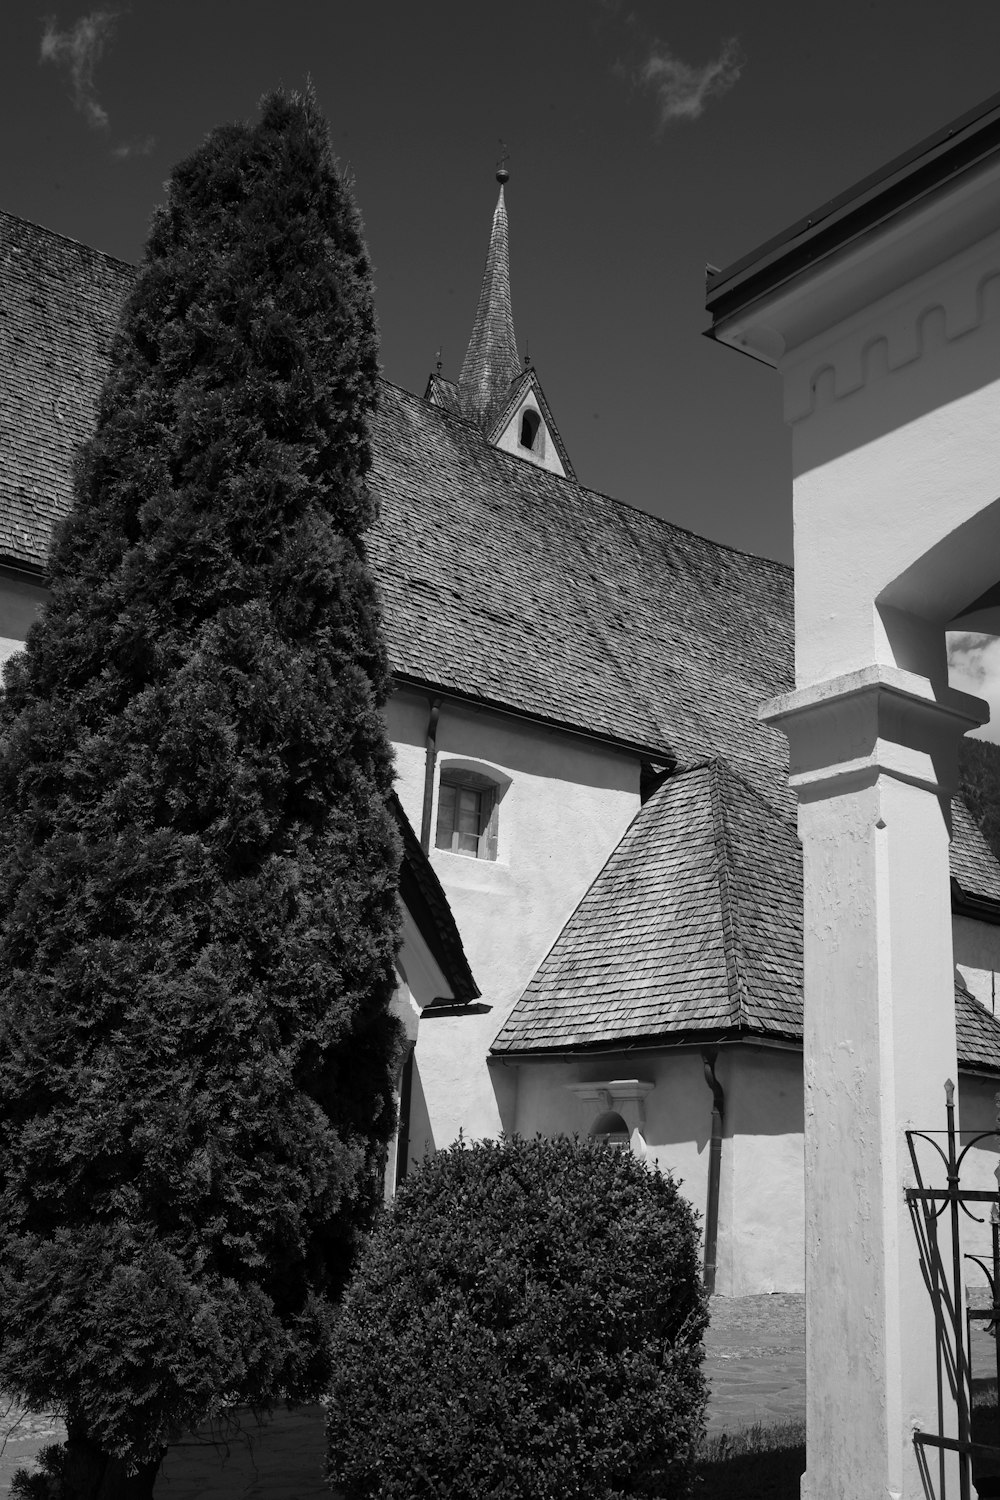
point(583, 489)
point(727, 897)
point(67, 239)
point(755, 793)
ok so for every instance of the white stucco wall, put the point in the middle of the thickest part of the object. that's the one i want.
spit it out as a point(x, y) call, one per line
point(977, 958)
point(760, 1241)
point(977, 1101)
point(419, 980)
point(567, 805)
point(760, 1244)
point(20, 601)
point(761, 1233)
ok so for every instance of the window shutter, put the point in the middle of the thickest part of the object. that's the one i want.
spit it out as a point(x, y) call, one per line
point(488, 837)
point(446, 815)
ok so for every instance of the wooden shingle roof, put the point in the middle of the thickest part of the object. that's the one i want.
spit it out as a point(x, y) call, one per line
point(693, 927)
point(491, 362)
point(59, 307)
point(500, 581)
point(692, 932)
point(978, 1033)
point(518, 587)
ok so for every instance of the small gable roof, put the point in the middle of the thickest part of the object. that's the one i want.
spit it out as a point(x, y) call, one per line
point(693, 928)
point(692, 932)
point(978, 1033)
point(974, 866)
point(527, 382)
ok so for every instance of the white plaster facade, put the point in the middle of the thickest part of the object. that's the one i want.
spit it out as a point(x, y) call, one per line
point(760, 1247)
point(976, 947)
point(887, 341)
point(566, 803)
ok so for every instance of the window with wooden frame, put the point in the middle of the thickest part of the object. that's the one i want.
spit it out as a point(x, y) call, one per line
point(467, 813)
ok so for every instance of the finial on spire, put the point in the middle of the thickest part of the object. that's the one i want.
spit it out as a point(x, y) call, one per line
point(527, 356)
point(439, 358)
point(502, 174)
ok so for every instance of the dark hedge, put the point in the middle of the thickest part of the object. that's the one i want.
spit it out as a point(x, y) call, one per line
point(198, 871)
point(526, 1322)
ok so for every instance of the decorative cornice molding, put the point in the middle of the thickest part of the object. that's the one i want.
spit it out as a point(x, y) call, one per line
point(892, 334)
point(879, 721)
point(626, 1096)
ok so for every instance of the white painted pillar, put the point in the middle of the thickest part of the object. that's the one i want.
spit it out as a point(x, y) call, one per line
point(873, 758)
point(882, 315)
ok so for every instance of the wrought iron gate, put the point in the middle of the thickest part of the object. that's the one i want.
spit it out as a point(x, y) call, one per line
point(936, 1213)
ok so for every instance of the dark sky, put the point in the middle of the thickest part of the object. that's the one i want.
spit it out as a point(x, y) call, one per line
point(645, 140)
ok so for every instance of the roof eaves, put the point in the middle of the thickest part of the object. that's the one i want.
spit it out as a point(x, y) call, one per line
point(965, 904)
point(938, 159)
point(658, 750)
point(423, 894)
point(708, 1036)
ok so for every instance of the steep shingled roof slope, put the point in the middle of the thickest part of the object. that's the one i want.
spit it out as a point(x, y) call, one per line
point(491, 362)
point(977, 1032)
point(499, 579)
point(973, 864)
point(694, 926)
point(517, 586)
point(59, 306)
point(691, 932)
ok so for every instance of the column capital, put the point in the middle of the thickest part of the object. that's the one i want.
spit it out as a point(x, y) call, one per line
point(876, 721)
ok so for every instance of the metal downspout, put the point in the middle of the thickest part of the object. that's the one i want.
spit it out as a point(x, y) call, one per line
point(430, 764)
point(709, 1057)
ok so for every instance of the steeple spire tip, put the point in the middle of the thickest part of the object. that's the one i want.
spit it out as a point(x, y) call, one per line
point(491, 363)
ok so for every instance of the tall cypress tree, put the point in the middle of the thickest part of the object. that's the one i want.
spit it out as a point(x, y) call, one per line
point(197, 867)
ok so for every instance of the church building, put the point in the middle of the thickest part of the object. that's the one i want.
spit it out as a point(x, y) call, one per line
point(602, 879)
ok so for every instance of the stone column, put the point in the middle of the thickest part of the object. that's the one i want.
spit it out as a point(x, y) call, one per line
point(874, 761)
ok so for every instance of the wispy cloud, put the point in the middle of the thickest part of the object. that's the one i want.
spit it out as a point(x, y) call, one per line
point(79, 49)
point(142, 146)
point(974, 666)
point(681, 90)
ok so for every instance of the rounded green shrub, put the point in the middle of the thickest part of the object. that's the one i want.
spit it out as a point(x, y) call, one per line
point(526, 1322)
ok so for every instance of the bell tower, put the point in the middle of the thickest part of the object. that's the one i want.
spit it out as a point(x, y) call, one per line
point(494, 391)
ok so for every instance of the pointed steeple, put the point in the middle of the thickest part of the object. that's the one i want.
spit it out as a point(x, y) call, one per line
point(491, 363)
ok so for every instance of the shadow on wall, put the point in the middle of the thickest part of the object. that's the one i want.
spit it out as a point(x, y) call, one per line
point(504, 1081)
point(421, 1136)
